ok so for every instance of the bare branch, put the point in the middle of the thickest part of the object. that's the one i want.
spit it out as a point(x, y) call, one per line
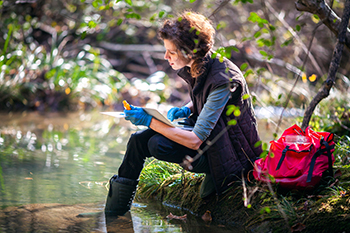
point(296, 36)
point(337, 54)
point(326, 14)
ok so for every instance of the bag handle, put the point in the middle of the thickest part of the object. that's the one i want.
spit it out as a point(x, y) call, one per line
point(318, 153)
point(282, 157)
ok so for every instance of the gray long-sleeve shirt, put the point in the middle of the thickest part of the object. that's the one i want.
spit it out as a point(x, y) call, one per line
point(212, 110)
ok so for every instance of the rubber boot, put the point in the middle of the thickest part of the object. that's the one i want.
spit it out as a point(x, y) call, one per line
point(120, 196)
point(207, 186)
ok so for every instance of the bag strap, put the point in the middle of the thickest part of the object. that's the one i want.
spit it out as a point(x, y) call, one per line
point(318, 153)
point(282, 157)
point(329, 154)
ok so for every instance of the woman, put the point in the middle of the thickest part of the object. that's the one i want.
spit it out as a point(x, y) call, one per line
point(213, 85)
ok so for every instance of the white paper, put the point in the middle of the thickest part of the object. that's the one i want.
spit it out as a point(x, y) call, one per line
point(156, 114)
point(114, 114)
point(151, 111)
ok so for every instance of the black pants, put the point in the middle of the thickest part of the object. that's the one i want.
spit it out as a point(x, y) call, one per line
point(148, 143)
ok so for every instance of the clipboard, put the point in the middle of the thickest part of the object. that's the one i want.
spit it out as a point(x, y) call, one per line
point(151, 111)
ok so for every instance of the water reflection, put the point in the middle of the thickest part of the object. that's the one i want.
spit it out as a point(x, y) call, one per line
point(54, 167)
point(52, 158)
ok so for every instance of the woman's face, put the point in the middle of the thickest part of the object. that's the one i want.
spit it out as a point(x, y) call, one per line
point(176, 60)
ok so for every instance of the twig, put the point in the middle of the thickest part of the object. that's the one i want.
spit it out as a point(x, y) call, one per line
point(326, 15)
point(337, 54)
point(298, 77)
point(295, 35)
point(219, 8)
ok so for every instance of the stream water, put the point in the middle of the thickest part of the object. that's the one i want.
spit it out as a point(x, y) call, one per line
point(61, 163)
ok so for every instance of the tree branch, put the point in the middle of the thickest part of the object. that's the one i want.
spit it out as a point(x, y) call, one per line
point(337, 54)
point(296, 36)
point(326, 14)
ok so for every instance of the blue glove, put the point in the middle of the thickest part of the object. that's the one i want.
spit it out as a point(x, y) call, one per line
point(138, 116)
point(175, 113)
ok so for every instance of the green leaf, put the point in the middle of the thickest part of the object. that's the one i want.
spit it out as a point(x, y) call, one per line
point(119, 22)
point(262, 52)
point(298, 28)
point(230, 110)
point(257, 34)
point(254, 17)
point(244, 66)
point(273, 180)
point(192, 1)
point(248, 72)
point(246, 96)
point(237, 112)
point(234, 48)
point(160, 15)
point(264, 30)
point(133, 15)
point(257, 144)
point(10, 27)
point(92, 24)
point(264, 146)
point(287, 42)
point(214, 55)
point(128, 2)
point(83, 35)
point(232, 122)
point(297, 18)
point(264, 154)
point(272, 28)
point(221, 24)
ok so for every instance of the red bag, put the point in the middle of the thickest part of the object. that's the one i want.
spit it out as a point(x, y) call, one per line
point(297, 160)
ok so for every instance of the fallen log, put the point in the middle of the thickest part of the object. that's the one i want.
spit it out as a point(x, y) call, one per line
point(131, 47)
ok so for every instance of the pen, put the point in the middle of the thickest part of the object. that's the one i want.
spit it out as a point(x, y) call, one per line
point(126, 105)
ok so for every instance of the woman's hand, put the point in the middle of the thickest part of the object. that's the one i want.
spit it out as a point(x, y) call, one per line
point(138, 116)
point(175, 113)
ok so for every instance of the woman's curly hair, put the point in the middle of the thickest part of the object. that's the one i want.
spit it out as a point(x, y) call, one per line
point(193, 36)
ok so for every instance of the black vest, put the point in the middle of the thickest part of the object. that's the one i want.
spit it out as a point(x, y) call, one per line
point(234, 151)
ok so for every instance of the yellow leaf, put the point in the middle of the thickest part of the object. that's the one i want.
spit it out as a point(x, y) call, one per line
point(312, 78)
point(67, 91)
point(303, 77)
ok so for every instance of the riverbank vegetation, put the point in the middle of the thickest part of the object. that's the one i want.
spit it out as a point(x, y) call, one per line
point(257, 206)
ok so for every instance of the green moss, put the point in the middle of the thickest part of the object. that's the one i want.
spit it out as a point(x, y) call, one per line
point(266, 208)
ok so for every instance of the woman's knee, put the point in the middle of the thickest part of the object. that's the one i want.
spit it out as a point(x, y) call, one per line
point(153, 144)
point(140, 137)
point(159, 146)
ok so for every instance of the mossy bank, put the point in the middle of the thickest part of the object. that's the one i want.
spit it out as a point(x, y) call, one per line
point(256, 207)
